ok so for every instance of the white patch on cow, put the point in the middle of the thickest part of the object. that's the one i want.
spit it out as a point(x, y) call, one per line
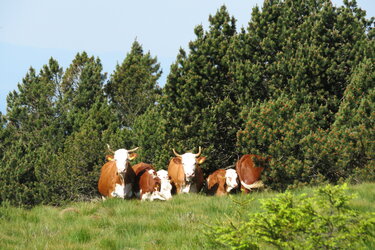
point(128, 191)
point(121, 157)
point(152, 196)
point(152, 173)
point(162, 174)
point(257, 184)
point(189, 162)
point(186, 188)
point(119, 191)
point(157, 196)
point(165, 184)
point(231, 179)
point(146, 196)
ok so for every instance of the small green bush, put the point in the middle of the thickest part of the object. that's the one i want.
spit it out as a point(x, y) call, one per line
point(321, 221)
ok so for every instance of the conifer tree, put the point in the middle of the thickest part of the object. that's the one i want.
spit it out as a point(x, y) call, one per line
point(305, 48)
point(133, 86)
point(302, 53)
point(33, 128)
point(199, 98)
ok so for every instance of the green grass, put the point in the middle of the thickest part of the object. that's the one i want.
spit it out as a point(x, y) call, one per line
point(124, 224)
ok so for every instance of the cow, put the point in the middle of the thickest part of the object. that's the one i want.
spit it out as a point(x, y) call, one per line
point(147, 183)
point(249, 169)
point(184, 172)
point(165, 186)
point(116, 177)
point(222, 181)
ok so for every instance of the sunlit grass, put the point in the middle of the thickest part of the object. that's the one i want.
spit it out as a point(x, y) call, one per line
point(124, 224)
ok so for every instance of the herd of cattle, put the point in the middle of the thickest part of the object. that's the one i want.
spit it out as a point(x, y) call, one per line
point(184, 175)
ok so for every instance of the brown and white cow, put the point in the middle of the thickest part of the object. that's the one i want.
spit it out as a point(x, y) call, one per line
point(147, 184)
point(222, 181)
point(184, 172)
point(249, 169)
point(116, 177)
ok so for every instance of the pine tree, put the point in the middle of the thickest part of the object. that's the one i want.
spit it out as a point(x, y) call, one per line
point(33, 138)
point(306, 48)
point(133, 86)
point(199, 96)
point(302, 53)
point(149, 134)
point(81, 87)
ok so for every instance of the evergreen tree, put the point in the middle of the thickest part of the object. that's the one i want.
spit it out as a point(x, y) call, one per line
point(81, 87)
point(133, 86)
point(149, 134)
point(199, 97)
point(33, 138)
point(306, 48)
point(303, 54)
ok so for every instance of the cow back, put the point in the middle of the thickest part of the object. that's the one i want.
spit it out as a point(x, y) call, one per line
point(143, 179)
point(250, 167)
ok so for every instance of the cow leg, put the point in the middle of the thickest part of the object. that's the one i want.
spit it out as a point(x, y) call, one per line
point(156, 195)
point(119, 191)
point(128, 191)
point(245, 190)
point(193, 188)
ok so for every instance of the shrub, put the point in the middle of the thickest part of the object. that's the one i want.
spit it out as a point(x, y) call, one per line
point(324, 221)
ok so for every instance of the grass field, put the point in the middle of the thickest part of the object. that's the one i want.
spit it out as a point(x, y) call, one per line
point(132, 224)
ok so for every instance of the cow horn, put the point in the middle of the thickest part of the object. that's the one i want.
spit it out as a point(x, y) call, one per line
point(132, 150)
point(109, 149)
point(199, 152)
point(176, 153)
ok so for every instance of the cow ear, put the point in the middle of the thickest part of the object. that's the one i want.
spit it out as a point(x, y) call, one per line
point(201, 159)
point(177, 160)
point(132, 156)
point(109, 158)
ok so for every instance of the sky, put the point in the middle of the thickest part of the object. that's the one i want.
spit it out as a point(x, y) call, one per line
point(32, 31)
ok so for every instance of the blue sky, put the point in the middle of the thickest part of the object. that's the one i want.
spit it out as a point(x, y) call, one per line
point(32, 31)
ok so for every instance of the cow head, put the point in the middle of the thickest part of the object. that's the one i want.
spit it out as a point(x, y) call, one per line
point(231, 179)
point(189, 162)
point(122, 157)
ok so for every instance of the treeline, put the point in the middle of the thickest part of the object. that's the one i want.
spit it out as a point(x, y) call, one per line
point(297, 84)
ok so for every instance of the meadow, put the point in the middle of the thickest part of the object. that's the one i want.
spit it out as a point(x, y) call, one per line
point(131, 224)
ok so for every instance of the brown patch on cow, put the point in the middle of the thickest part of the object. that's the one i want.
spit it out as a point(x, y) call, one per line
point(216, 183)
point(145, 181)
point(249, 169)
point(109, 177)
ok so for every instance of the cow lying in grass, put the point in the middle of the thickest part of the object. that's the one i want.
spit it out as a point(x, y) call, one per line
point(222, 181)
point(116, 176)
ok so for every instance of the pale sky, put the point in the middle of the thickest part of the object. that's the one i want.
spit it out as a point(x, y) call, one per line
point(32, 31)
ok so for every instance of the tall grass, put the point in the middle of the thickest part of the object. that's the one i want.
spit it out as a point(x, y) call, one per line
point(132, 224)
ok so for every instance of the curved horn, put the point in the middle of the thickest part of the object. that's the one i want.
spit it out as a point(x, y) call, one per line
point(132, 150)
point(175, 153)
point(199, 152)
point(109, 149)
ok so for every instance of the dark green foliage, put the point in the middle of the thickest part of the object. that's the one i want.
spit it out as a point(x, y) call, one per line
point(347, 149)
point(277, 128)
point(303, 54)
point(200, 103)
point(149, 135)
point(322, 221)
point(133, 87)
